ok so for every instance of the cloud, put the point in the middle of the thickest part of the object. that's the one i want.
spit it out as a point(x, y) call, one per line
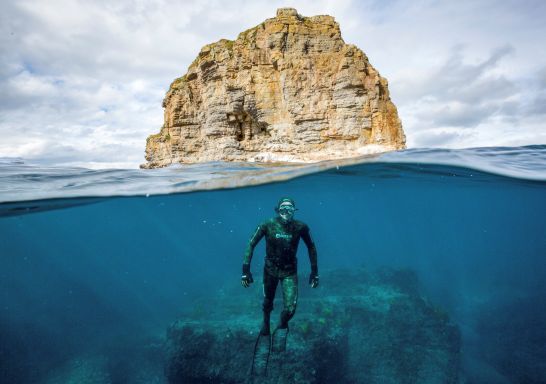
point(82, 82)
point(541, 79)
point(440, 137)
point(536, 105)
point(456, 102)
point(456, 80)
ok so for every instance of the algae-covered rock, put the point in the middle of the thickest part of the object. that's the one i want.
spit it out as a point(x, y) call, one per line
point(357, 327)
point(288, 89)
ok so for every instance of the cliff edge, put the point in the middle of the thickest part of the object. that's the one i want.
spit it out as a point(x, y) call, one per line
point(289, 89)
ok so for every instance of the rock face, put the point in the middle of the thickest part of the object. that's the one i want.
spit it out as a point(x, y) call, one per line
point(289, 89)
point(357, 327)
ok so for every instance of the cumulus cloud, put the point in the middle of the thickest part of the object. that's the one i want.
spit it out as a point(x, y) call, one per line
point(82, 82)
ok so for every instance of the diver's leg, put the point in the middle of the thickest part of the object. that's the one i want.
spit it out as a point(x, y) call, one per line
point(269, 287)
point(290, 298)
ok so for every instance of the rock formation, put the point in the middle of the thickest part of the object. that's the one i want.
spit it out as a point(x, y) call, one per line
point(376, 329)
point(289, 89)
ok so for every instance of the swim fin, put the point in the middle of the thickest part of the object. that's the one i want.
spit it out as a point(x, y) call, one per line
point(260, 360)
point(278, 340)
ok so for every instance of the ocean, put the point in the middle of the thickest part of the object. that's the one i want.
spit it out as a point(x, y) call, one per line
point(95, 265)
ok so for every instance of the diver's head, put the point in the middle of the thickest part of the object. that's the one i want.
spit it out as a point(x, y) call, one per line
point(285, 209)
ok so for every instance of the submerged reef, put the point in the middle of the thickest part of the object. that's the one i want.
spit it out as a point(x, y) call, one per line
point(357, 327)
point(512, 339)
point(288, 89)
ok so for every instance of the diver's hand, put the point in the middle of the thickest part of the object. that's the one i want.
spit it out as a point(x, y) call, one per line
point(246, 278)
point(313, 280)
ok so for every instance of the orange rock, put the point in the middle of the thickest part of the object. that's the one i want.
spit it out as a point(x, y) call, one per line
point(289, 89)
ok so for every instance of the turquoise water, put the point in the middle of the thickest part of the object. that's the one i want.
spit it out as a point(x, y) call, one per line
point(105, 260)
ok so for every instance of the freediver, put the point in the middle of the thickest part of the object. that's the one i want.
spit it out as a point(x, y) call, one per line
point(282, 235)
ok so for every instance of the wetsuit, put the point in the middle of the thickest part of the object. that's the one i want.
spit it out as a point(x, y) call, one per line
point(282, 239)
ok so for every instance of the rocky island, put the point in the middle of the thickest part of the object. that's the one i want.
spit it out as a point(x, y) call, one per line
point(289, 89)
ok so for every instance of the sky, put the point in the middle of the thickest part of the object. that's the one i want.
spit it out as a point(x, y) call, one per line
point(81, 82)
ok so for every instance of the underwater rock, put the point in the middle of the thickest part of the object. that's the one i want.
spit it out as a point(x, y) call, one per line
point(375, 329)
point(512, 338)
point(289, 89)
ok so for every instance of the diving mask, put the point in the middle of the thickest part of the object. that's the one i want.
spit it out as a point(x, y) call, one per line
point(286, 211)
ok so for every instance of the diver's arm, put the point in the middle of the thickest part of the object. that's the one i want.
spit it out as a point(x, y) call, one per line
point(312, 250)
point(255, 239)
point(246, 278)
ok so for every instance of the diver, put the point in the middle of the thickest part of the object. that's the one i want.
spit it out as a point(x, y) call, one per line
point(282, 235)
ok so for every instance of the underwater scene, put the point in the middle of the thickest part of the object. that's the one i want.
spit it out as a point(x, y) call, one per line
point(431, 262)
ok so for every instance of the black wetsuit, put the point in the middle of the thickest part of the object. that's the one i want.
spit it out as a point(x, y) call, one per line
point(282, 239)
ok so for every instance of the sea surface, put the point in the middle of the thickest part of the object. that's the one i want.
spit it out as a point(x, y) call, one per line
point(96, 263)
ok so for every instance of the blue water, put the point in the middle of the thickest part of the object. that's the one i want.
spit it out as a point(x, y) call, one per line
point(106, 260)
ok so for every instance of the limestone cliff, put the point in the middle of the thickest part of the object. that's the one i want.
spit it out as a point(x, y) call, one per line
point(289, 89)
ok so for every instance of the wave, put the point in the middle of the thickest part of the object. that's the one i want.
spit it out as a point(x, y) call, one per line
point(32, 187)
